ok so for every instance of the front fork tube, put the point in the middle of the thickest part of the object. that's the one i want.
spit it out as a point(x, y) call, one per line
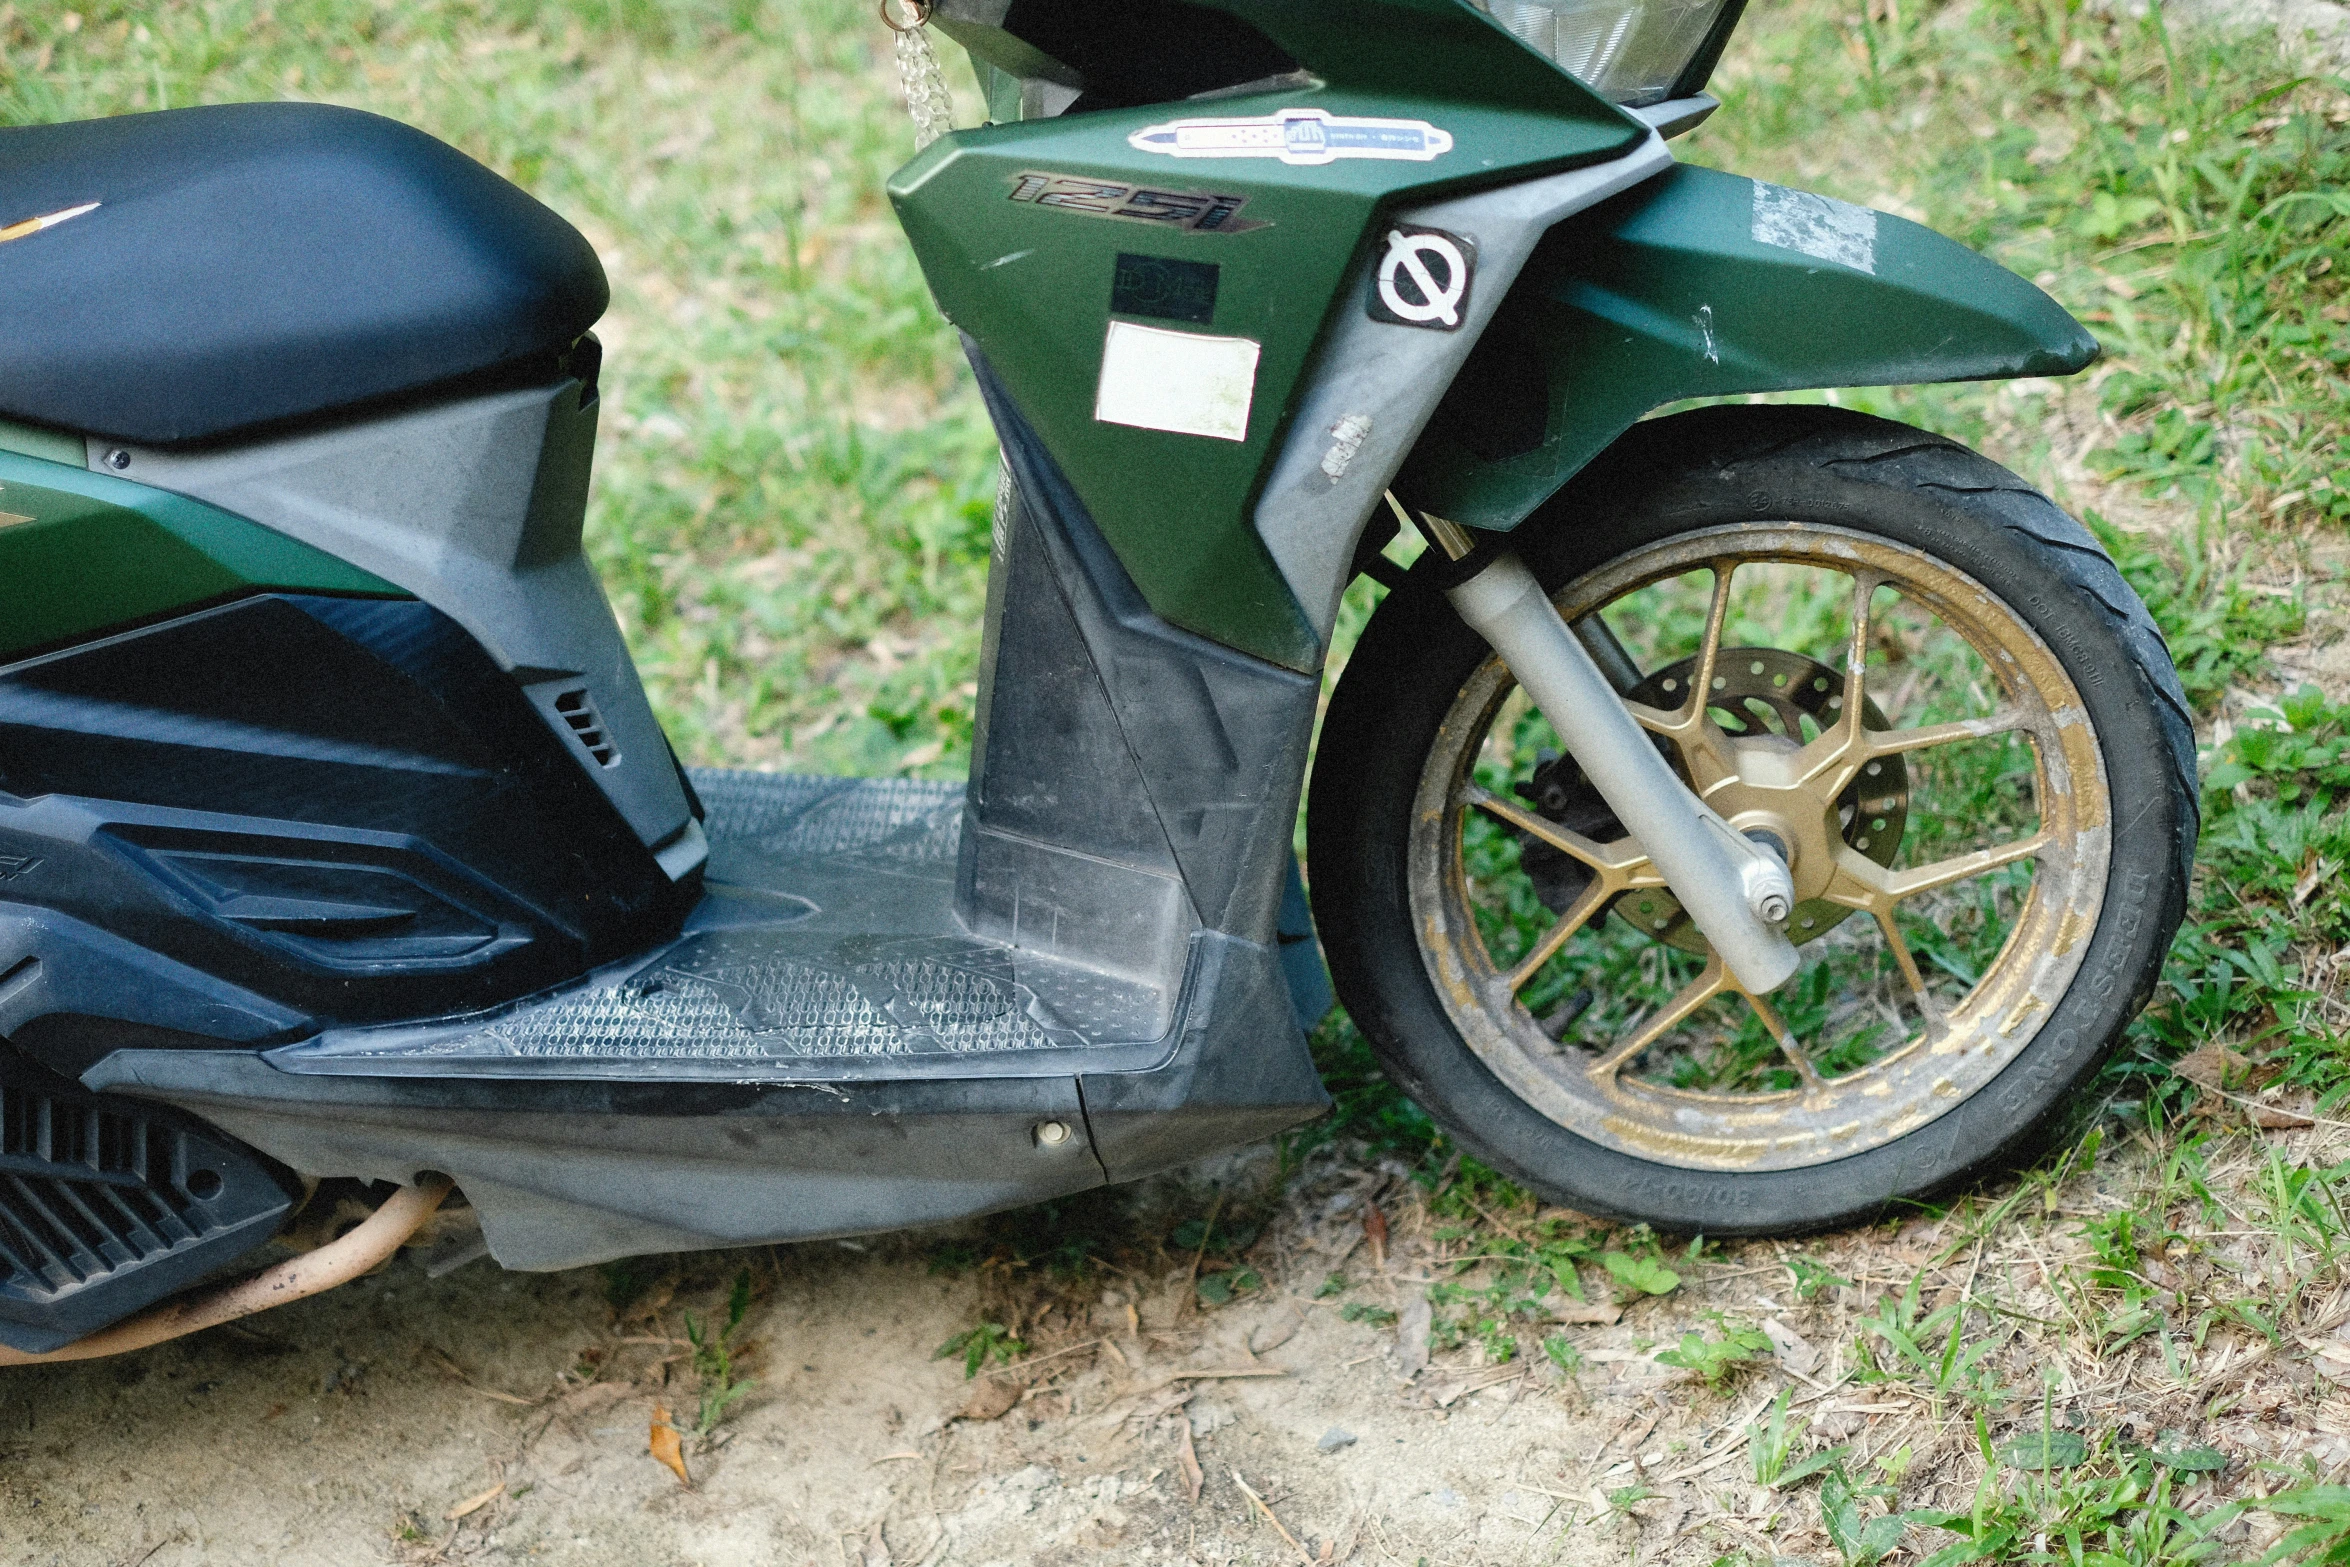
point(1737, 891)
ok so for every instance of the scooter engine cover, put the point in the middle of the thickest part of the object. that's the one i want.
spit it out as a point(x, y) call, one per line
point(107, 1205)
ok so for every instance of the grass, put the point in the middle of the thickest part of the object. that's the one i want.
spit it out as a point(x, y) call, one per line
point(792, 514)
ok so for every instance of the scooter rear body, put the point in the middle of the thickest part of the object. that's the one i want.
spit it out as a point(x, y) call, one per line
point(335, 812)
point(337, 835)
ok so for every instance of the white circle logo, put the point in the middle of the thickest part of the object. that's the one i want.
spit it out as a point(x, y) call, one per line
point(1428, 266)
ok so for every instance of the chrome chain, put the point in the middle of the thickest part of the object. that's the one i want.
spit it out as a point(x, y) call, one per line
point(929, 104)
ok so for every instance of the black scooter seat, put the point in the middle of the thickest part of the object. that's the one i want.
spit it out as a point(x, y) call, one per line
point(251, 264)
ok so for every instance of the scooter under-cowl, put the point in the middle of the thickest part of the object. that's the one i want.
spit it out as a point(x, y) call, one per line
point(339, 840)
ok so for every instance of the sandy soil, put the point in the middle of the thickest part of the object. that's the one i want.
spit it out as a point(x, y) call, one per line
point(494, 1417)
point(347, 1429)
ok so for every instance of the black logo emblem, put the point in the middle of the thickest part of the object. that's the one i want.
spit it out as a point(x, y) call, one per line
point(1423, 279)
point(15, 865)
point(1194, 212)
point(1168, 289)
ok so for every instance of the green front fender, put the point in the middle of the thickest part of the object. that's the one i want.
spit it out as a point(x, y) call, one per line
point(1701, 284)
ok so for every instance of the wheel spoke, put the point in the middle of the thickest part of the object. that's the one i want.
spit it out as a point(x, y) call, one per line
point(1709, 650)
point(1705, 751)
point(1784, 1038)
point(1699, 991)
point(1856, 658)
point(1894, 742)
point(1958, 868)
point(1589, 902)
point(1621, 860)
point(1830, 762)
point(1861, 883)
point(1908, 963)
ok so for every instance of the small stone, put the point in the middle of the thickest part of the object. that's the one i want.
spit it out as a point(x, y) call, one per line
point(1335, 1438)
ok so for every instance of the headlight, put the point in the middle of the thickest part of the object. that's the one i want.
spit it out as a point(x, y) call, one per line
point(1631, 51)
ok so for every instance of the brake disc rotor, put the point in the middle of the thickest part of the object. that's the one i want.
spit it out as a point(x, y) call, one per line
point(1761, 695)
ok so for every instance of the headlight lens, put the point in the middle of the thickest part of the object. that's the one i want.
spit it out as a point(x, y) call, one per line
point(1631, 51)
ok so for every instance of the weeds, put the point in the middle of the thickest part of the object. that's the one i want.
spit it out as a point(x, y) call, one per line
point(1715, 1360)
point(713, 1357)
point(1860, 1537)
point(2319, 1531)
point(979, 1345)
point(1775, 1443)
point(1928, 1349)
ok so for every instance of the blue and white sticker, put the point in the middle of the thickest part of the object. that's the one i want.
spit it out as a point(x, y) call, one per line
point(1296, 136)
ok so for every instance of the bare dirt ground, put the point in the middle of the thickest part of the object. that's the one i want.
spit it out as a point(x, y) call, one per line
point(497, 1417)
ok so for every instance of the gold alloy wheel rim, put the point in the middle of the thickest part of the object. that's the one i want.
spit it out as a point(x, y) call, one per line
point(1791, 790)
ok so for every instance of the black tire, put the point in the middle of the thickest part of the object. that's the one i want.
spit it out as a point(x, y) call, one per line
point(1705, 469)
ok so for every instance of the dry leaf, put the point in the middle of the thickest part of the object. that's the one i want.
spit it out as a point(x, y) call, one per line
point(1277, 1329)
point(1794, 1350)
point(991, 1399)
point(1411, 1336)
point(1375, 1228)
point(474, 1504)
point(1476, 1382)
point(1187, 1460)
point(2210, 1066)
point(666, 1446)
point(2284, 1117)
point(1592, 1313)
point(650, 1304)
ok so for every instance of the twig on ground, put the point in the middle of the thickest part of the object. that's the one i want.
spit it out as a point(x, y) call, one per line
point(1303, 1554)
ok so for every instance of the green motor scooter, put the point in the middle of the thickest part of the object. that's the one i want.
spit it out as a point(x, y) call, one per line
point(1717, 822)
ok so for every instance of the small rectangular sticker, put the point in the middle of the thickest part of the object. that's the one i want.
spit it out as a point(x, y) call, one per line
point(1164, 287)
point(1817, 226)
point(1185, 383)
point(1296, 136)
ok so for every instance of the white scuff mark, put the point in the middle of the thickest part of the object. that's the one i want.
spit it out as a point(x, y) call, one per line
point(1346, 439)
point(1818, 226)
point(1705, 329)
point(1005, 261)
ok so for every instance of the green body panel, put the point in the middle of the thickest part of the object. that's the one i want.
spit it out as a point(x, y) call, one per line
point(1031, 283)
point(82, 553)
point(1665, 293)
point(49, 445)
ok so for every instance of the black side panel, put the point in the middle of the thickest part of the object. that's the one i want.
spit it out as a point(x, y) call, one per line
point(1049, 750)
point(1242, 1072)
point(108, 1205)
point(339, 805)
point(1219, 739)
point(257, 262)
point(569, 1173)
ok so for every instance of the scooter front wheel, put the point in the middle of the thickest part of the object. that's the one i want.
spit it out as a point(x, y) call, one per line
point(1897, 662)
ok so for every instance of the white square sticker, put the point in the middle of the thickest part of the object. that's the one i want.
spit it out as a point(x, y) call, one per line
point(1183, 382)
